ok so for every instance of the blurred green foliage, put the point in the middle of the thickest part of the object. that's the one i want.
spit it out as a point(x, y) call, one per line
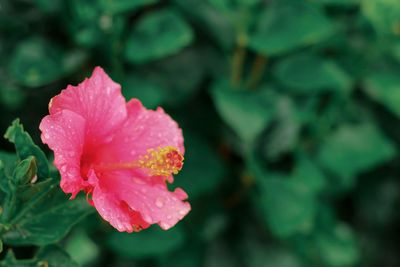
point(289, 110)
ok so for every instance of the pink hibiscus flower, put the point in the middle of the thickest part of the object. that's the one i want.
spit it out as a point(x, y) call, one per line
point(119, 153)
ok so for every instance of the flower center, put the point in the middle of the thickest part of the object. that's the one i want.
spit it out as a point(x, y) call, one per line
point(161, 161)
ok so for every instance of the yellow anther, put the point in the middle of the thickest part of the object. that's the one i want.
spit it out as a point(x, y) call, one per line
point(162, 161)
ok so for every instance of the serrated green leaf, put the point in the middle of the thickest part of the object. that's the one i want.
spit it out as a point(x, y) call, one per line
point(308, 73)
point(157, 35)
point(286, 26)
point(46, 217)
point(47, 256)
point(25, 147)
point(352, 149)
point(148, 243)
point(8, 162)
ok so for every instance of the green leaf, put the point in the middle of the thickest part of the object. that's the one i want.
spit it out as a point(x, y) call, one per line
point(11, 97)
point(209, 20)
point(376, 201)
point(8, 162)
point(284, 134)
point(287, 206)
point(37, 62)
point(55, 256)
point(286, 26)
point(49, 6)
point(339, 247)
point(148, 243)
point(220, 254)
point(81, 248)
point(307, 73)
point(176, 76)
point(157, 35)
point(341, 3)
point(227, 5)
point(148, 92)
point(47, 256)
point(352, 149)
point(384, 87)
point(189, 256)
point(384, 15)
point(247, 112)
point(203, 170)
point(25, 148)
point(26, 171)
point(257, 254)
point(120, 6)
point(307, 174)
point(46, 217)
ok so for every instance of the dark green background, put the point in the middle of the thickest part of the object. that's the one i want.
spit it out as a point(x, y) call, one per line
point(290, 111)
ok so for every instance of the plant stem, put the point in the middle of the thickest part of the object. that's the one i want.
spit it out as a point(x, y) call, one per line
point(238, 60)
point(257, 71)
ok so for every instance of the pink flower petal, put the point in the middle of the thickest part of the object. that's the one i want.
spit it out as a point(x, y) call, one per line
point(115, 211)
point(144, 129)
point(154, 203)
point(99, 101)
point(63, 132)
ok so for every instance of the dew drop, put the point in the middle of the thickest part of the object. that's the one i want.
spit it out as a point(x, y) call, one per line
point(159, 202)
point(164, 225)
point(147, 218)
point(182, 212)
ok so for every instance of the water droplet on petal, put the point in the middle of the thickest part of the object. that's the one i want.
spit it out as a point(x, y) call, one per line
point(182, 212)
point(147, 218)
point(165, 225)
point(46, 136)
point(159, 202)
